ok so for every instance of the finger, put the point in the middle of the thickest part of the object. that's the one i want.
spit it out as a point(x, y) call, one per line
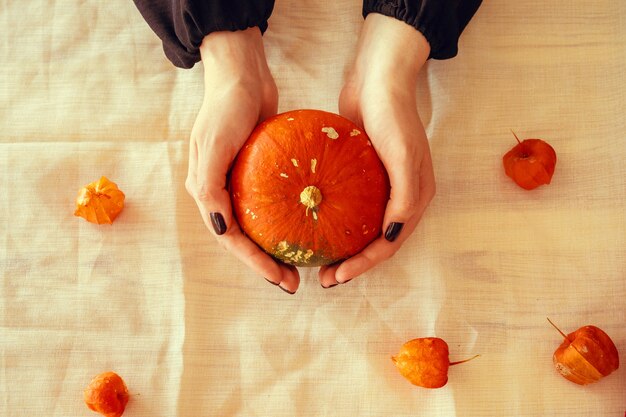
point(269, 106)
point(348, 107)
point(284, 276)
point(192, 169)
point(397, 231)
point(375, 253)
point(193, 190)
point(427, 185)
point(233, 239)
point(211, 195)
point(386, 246)
point(326, 275)
point(213, 219)
point(290, 279)
point(411, 192)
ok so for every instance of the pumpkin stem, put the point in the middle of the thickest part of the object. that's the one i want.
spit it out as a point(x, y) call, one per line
point(559, 330)
point(463, 361)
point(311, 197)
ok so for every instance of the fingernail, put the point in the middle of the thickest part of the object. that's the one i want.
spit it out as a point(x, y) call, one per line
point(393, 230)
point(219, 225)
point(286, 290)
point(330, 286)
point(271, 282)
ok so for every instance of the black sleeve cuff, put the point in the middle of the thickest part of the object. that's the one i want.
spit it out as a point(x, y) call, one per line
point(440, 21)
point(182, 24)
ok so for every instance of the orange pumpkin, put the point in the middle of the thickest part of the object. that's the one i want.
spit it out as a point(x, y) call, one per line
point(530, 163)
point(309, 188)
point(586, 355)
point(107, 394)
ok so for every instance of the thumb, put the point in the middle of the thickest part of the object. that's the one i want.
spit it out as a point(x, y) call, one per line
point(210, 190)
point(410, 195)
point(403, 200)
point(349, 106)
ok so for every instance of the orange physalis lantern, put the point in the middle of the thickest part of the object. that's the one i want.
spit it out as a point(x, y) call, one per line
point(107, 394)
point(530, 163)
point(424, 362)
point(586, 355)
point(99, 202)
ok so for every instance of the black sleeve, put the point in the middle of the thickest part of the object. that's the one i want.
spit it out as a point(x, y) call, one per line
point(182, 24)
point(440, 21)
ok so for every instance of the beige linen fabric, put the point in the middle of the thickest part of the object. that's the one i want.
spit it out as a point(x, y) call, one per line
point(85, 91)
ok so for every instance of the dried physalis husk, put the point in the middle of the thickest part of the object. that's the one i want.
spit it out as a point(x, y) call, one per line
point(530, 163)
point(586, 355)
point(107, 394)
point(99, 202)
point(424, 362)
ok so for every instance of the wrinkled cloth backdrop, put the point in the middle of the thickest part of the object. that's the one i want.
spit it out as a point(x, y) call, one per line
point(85, 91)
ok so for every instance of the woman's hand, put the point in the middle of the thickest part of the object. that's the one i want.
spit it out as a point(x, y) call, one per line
point(239, 93)
point(380, 95)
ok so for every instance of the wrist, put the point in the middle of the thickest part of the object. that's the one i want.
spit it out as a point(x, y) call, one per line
point(237, 53)
point(230, 43)
point(389, 50)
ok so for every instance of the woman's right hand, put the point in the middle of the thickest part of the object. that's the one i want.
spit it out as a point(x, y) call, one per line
point(239, 93)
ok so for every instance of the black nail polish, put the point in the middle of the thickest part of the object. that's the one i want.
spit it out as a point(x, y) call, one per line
point(393, 230)
point(271, 282)
point(219, 225)
point(287, 291)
